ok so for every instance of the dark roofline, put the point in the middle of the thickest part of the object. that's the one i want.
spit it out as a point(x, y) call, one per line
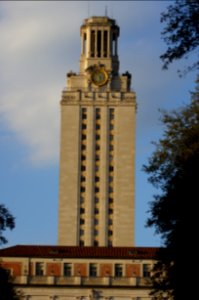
point(51, 251)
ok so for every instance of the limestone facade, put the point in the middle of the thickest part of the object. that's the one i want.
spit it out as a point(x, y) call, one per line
point(97, 157)
point(71, 273)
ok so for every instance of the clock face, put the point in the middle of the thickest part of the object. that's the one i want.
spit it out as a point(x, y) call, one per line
point(99, 77)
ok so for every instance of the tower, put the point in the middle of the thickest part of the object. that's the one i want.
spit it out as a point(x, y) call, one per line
point(96, 204)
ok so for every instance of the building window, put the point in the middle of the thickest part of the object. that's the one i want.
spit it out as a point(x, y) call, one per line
point(96, 189)
point(146, 270)
point(83, 168)
point(67, 269)
point(118, 270)
point(84, 126)
point(82, 210)
point(82, 189)
point(96, 221)
point(83, 137)
point(82, 221)
point(81, 243)
point(39, 269)
point(83, 178)
point(96, 243)
point(93, 270)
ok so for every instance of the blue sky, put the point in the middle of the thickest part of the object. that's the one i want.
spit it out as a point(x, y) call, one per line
point(40, 43)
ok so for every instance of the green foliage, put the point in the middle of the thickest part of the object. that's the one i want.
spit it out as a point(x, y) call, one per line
point(6, 221)
point(173, 169)
point(181, 32)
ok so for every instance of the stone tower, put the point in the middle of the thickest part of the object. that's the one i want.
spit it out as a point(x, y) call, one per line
point(97, 190)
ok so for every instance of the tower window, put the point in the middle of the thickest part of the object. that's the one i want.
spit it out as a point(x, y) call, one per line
point(92, 43)
point(82, 189)
point(83, 178)
point(83, 168)
point(99, 43)
point(81, 243)
point(84, 126)
point(82, 210)
point(97, 137)
point(96, 243)
point(96, 189)
point(105, 42)
point(83, 137)
point(97, 179)
point(84, 44)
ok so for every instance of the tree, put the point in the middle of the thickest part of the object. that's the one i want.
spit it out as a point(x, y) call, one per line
point(181, 32)
point(173, 169)
point(6, 221)
point(7, 291)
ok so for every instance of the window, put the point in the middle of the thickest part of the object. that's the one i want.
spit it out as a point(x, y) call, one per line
point(83, 168)
point(111, 168)
point(110, 232)
point(110, 179)
point(146, 270)
point(84, 113)
point(96, 210)
point(97, 137)
point(96, 189)
point(96, 221)
point(99, 33)
point(82, 210)
point(110, 211)
point(92, 43)
point(83, 147)
point(82, 200)
point(82, 189)
point(83, 137)
point(96, 243)
point(83, 178)
point(96, 200)
point(82, 221)
point(81, 232)
point(67, 269)
point(110, 189)
point(93, 270)
point(110, 222)
point(105, 42)
point(81, 243)
point(118, 270)
point(96, 232)
point(97, 157)
point(84, 126)
point(97, 147)
point(39, 269)
point(110, 200)
point(111, 126)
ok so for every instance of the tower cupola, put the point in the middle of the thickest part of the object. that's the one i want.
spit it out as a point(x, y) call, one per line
point(99, 44)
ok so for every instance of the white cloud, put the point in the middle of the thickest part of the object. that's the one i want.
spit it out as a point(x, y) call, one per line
point(40, 43)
